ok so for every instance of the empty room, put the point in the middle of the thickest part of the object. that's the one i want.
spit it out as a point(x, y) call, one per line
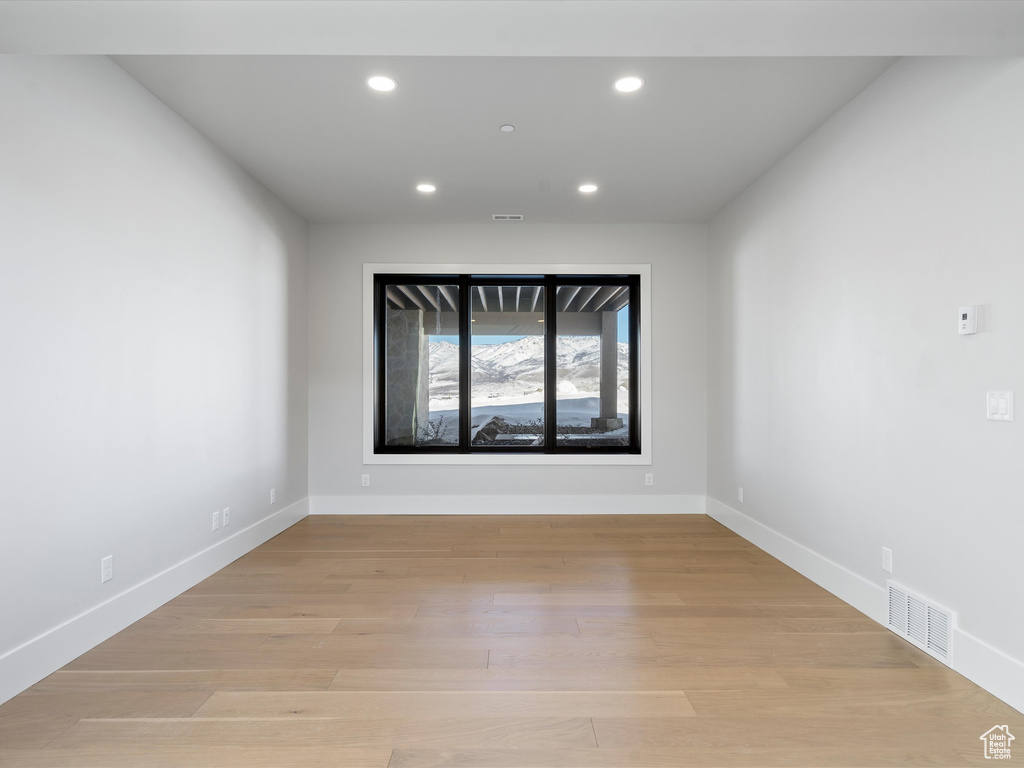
point(524, 383)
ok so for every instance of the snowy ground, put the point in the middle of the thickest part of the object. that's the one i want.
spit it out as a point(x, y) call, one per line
point(507, 381)
point(574, 410)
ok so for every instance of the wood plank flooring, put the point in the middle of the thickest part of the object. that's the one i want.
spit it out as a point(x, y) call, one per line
point(430, 642)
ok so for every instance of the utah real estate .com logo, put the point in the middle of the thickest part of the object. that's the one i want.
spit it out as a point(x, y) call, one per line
point(997, 742)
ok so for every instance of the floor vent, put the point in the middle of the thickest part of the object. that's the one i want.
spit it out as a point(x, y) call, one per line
point(507, 217)
point(926, 625)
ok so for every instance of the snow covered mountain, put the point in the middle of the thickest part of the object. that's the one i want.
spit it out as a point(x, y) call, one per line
point(516, 368)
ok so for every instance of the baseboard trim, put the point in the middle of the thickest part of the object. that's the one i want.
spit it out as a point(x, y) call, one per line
point(863, 595)
point(30, 662)
point(993, 670)
point(997, 673)
point(675, 504)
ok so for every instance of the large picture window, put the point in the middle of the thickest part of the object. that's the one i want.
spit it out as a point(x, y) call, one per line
point(532, 364)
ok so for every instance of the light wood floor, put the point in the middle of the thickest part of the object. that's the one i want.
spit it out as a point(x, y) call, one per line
point(503, 641)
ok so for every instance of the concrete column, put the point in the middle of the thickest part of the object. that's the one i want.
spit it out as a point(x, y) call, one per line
point(404, 364)
point(421, 417)
point(609, 418)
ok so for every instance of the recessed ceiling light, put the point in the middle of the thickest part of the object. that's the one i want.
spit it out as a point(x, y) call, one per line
point(588, 189)
point(629, 84)
point(381, 83)
point(508, 128)
point(426, 188)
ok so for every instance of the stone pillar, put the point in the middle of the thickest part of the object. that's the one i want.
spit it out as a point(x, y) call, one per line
point(403, 367)
point(609, 418)
point(422, 416)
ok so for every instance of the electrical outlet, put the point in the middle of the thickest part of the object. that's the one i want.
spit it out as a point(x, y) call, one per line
point(216, 520)
point(886, 559)
point(106, 569)
point(649, 478)
point(366, 481)
point(226, 516)
point(739, 494)
point(273, 495)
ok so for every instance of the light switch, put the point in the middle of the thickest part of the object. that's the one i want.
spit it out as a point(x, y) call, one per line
point(1000, 406)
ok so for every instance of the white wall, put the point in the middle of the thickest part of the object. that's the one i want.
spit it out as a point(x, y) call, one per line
point(840, 396)
point(153, 335)
point(676, 255)
point(153, 339)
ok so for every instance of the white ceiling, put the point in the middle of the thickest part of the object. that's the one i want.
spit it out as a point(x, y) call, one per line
point(732, 86)
point(310, 129)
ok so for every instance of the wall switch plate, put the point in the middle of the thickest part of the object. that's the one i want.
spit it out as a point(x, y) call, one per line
point(273, 495)
point(739, 494)
point(106, 569)
point(999, 406)
point(216, 520)
point(886, 559)
point(649, 478)
point(226, 516)
point(366, 481)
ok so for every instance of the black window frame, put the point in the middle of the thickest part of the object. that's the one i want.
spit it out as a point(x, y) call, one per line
point(466, 282)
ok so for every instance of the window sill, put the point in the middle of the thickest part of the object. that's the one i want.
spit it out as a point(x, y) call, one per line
point(507, 459)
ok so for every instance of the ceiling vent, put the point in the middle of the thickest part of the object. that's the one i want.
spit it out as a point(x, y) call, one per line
point(926, 625)
point(506, 217)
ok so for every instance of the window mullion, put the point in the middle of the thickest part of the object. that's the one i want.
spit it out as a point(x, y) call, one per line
point(550, 362)
point(465, 363)
point(634, 365)
point(379, 344)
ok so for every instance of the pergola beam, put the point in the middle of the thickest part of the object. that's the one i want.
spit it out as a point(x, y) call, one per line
point(587, 296)
point(609, 293)
point(570, 292)
point(434, 302)
point(395, 297)
point(446, 291)
point(620, 301)
point(412, 297)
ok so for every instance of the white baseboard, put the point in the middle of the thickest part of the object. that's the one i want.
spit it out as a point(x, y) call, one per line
point(993, 670)
point(997, 673)
point(865, 596)
point(507, 505)
point(29, 663)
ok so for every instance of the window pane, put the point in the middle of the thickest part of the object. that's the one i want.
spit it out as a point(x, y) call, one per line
point(421, 365)
point(507, 381)
point(592, 350)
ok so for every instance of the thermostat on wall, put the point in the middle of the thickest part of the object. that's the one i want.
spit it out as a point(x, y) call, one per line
point(968, 322)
